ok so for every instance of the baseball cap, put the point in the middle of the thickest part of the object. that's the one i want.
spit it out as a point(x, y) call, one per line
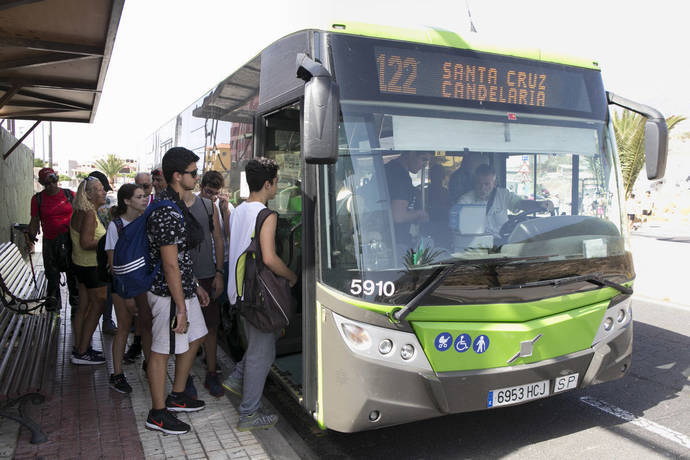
point(45, 173)
point(104, 180)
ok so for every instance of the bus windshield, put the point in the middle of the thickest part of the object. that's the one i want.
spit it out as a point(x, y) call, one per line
point(404, 198)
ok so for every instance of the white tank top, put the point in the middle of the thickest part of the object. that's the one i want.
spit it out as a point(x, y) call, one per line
point(242, 224)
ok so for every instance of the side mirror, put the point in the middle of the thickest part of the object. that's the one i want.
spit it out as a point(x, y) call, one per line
point(655, 135)
point(321, 112)
point(655, 147)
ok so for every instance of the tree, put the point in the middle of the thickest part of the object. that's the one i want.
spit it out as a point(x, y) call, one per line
point(110, 166)
point(38, 163)
point(64, 178)
point(629, 131)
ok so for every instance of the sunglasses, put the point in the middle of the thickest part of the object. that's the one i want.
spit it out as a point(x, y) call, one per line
point(211, 192)
point(146, 186)
point(191, 173)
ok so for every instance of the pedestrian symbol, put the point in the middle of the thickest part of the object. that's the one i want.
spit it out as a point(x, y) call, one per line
point(443, 341)
point(462, 343)
point(481, 344)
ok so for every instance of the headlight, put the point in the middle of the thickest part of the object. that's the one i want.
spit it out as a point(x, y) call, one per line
point(407, 352)
point(386, 346)
point(620, 309)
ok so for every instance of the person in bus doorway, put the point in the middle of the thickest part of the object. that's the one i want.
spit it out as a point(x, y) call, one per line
point(402, 194)
point(249, 375)
point(207, 266)
point(175, 297)
point(53, 216)
point(498, 200)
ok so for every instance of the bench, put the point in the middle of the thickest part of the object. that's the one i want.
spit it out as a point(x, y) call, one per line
point(29, 329)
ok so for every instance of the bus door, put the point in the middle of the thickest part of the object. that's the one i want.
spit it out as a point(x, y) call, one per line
point(281, 141)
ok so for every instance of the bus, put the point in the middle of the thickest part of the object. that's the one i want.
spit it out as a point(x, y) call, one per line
point(403, 321)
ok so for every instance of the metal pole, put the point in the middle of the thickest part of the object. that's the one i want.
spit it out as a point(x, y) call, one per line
point(50, 144)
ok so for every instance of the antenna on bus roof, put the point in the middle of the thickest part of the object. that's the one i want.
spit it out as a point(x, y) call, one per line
point(469, 14)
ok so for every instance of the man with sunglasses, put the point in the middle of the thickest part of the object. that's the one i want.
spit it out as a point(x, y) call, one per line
point(144, 179)
point(175, 298)
point(52, 210)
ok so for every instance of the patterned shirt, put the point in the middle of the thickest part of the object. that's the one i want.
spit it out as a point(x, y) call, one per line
point(166, 226)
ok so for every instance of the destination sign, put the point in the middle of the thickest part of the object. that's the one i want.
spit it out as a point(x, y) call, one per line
point(484, 79)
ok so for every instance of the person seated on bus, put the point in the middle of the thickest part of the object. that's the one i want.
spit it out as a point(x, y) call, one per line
point(462, 179)
point(402, 193)
point(498, 200)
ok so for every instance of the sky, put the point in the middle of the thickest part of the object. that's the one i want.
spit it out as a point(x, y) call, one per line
point(169, 52)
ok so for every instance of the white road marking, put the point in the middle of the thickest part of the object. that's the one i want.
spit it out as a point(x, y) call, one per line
point(648, 425)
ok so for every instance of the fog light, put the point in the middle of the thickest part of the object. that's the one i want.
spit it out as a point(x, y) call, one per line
point(386, 346)
point(357, 336)
point(608, 324)
point(407, 352)
point(374, 416)
point(621, 316)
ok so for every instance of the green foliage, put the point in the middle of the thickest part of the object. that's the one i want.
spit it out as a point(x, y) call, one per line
point(629, 131)
point(82, 175)
point(38, 163)
point(64, 178)
point(110, 166)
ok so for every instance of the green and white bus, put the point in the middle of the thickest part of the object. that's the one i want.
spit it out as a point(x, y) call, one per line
point(402, 322)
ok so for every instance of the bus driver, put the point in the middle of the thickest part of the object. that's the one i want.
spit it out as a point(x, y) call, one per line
point(498, 200)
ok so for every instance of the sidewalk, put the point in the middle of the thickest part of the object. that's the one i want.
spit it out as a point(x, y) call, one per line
point(85, 418)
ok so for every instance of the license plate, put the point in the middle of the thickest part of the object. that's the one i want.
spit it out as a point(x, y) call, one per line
point(518, 394)
point(530, 391)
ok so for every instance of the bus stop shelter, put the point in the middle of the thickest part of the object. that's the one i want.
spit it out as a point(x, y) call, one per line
point(54, 55)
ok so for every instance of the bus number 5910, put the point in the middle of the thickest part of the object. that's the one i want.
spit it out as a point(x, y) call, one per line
point(368, 287)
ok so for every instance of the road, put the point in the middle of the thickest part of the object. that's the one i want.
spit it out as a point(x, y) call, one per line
point(644, 415)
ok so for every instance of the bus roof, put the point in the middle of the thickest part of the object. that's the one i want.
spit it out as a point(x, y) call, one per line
point(442, 37)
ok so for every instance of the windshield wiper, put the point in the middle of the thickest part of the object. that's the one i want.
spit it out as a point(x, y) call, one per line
point(440, 274)
point(594, 278)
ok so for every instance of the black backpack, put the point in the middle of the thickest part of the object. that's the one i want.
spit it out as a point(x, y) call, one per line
point(264, 298)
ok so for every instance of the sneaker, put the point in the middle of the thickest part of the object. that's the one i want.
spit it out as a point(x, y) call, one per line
point(109, 327)
point(183, 403)
point(86, 358)
point(89, 350)
point(166, 422)
point(213, 385)
point(233, 385)
point(133, 353)
point(95, 352)
point(119, 383)
point(257, 420)
point(190, 389)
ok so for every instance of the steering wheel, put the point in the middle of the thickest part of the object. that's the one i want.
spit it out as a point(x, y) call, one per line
point(513, 221)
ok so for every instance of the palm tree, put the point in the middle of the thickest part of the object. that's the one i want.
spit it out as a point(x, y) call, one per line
point(629, 130)
point(110, 166)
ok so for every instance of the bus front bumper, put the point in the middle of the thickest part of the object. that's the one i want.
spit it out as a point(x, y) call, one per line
point(361, 394)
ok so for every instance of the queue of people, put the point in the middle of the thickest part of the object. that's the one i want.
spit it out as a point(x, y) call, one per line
point(195, 241)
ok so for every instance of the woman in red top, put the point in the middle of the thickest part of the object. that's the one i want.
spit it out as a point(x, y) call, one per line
point(53, 216)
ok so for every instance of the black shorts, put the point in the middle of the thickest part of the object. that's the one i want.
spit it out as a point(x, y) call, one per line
point(88, 276)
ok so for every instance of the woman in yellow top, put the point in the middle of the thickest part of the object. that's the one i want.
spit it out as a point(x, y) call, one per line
point(85, 231)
